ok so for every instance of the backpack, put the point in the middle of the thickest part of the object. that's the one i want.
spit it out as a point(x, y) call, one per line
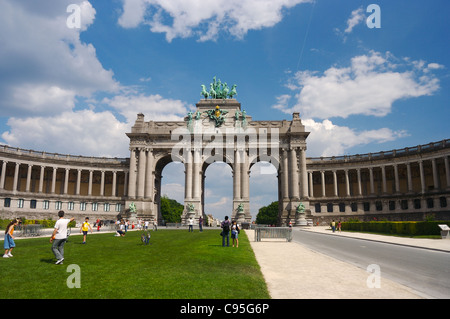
point(226, 227)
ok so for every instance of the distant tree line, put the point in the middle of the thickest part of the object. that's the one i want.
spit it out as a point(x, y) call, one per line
point(171, 210)
point(268, 214)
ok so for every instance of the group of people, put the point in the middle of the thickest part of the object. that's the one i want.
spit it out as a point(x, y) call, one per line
point(60, 234)
point(191, 224)
point(333, 226)
point(227, 228)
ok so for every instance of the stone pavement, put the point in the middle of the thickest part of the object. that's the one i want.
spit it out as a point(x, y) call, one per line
point(293, 271)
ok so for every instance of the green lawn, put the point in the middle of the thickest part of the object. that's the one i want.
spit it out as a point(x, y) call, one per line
point(176, 265)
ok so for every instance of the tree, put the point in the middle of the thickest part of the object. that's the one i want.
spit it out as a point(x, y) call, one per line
point(268, 214)
point(171, 210)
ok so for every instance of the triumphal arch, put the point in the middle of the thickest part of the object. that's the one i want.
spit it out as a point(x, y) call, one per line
point(218, 130)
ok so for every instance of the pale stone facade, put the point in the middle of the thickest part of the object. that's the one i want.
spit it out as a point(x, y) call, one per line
point(400, 184)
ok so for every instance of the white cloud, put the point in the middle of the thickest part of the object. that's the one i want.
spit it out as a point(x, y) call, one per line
point(186, 18)
point(369, 86)
point(154, 107)
point(356, 18)
point(82, 132)
point(43, 63)
point(328, 139)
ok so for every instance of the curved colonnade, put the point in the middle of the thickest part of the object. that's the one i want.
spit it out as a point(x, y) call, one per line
point(396, 185)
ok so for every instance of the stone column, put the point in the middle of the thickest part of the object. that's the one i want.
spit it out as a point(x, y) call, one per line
point(245, 177)
point(41, 179)
point(102, 183)
point(91, 175)
point(28, 185)
point(435, 175)
point(114, 182)
point(196, 175)
point(142, 160)
point(335, 183)
point(322, 173)
point(447, 171)
point(66, 180)
point(347, 183)
point(125, 184)
point(3, 176)
point(311, 185)
point(78, 186)
point(422, 177)
point(16, 177)
point(149, 178)
point(358, 171)
point(132, 176)
point(237, 175)
point(54, 180)
point(383, 177)
point(409, 177)
point(372, 186)
point(284, 175)
point(397, 181)
point(188, 176)
point(293, 173)
point(303, 173)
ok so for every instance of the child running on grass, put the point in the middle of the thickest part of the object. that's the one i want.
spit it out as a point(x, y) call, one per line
point(85, 228)
point(9, 239)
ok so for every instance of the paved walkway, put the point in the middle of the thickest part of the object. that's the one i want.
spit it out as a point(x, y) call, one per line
point(293, 271)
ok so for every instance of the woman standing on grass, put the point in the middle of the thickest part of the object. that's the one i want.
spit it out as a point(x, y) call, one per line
point(234, 233)
point(9, 239)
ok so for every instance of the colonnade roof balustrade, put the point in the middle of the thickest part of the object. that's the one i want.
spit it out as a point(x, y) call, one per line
point(407, 151)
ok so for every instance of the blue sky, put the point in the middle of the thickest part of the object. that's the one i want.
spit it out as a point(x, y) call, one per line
point(77, 90)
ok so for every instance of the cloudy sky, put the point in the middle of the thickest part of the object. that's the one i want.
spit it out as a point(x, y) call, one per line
point(74, 74)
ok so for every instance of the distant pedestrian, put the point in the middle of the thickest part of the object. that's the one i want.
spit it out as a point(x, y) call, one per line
point(59, 237)
point(155, 225)
point(339, 226)
point(225, 225)
point(9, 243)
point(235, 233)
point(85, 228)
point(200, 223)
point(191, 225)
point(333, 225)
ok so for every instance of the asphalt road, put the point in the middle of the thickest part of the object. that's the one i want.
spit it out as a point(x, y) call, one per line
point(423, 270)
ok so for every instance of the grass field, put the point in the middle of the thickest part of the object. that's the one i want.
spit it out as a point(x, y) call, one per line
point(175, 265)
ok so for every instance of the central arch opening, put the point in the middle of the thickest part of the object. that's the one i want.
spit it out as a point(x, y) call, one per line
point(217, 194)
point(263, 186)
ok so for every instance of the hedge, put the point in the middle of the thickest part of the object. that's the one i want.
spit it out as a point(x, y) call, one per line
point(46, 223)
point(410, 228)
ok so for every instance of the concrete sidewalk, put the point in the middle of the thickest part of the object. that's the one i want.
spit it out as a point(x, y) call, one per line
point(293, 271)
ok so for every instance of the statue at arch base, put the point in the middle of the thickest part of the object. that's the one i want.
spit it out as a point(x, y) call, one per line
point(300, 214)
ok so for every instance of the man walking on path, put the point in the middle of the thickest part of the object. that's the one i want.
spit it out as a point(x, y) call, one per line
point(59, 237)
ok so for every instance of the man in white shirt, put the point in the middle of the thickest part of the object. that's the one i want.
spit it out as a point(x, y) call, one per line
point(59, 237)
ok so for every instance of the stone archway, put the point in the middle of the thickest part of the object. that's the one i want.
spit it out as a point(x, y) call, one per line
point(218, 130)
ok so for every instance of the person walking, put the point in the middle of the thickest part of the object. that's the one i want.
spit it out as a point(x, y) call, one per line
point(59, 237)
point(333, 225)
point(235, 233)
point(339, 226)
point(200, 224)
point(191, 225)
point(85, 228)
point(9, 243)
point(225, 225)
